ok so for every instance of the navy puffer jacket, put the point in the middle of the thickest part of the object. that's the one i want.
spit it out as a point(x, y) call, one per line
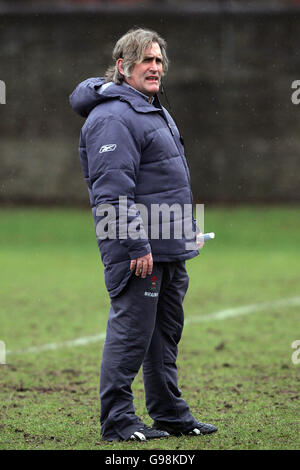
point(129, 147)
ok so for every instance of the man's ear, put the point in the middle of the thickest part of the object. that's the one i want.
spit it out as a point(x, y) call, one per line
point(120, 66)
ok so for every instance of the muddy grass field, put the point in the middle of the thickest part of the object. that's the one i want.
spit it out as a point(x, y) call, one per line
point(235, 359)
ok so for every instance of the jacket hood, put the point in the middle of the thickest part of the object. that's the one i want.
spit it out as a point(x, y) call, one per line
point(93, 91)
point(86, 96)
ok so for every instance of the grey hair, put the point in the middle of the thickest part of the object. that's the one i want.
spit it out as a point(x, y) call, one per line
point(131, 48)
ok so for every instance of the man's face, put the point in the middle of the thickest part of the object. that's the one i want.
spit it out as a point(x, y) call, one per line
point(145, 77)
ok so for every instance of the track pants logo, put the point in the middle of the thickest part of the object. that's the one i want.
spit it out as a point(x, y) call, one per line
point(153, 290)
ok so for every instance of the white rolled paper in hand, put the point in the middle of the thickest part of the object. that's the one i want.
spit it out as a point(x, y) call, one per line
point(204, 237)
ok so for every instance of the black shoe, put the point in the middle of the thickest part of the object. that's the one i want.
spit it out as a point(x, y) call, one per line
point(199, 429)
point(143, 433)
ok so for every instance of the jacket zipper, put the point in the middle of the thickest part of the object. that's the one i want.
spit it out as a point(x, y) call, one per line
point(182, 158)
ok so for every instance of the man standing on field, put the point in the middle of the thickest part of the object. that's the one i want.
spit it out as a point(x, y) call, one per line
point(130, 148)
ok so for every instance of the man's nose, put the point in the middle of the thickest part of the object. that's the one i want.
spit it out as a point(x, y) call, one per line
point(154, 66)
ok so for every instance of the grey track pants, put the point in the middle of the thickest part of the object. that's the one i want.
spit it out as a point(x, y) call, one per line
point(144, 327)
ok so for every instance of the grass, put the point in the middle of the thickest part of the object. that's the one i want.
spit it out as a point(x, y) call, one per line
point(236, 372)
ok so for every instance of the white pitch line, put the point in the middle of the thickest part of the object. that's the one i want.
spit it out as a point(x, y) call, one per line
point(53, 346)
point(238, 311)
point(221, 315)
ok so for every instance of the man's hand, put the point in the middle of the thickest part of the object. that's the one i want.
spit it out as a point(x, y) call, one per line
point(199, 242)
point(144, 265)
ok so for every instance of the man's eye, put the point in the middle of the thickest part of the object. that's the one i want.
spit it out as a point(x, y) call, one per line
point(158, 61)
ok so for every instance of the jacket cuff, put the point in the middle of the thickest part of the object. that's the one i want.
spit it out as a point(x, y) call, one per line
point(139, 251)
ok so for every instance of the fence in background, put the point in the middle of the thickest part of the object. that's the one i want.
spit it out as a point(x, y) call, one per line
point(229, 86)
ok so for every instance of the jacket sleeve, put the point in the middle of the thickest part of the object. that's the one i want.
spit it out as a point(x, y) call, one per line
point(113, 156)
